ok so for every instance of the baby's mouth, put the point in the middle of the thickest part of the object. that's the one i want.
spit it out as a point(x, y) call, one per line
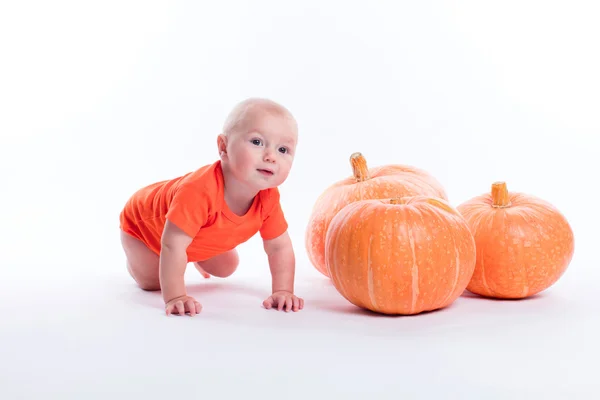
point(267, 172)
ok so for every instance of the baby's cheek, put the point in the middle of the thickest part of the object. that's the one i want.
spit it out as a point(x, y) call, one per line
point(246, 161)
point(284, 171)
point(241, 157)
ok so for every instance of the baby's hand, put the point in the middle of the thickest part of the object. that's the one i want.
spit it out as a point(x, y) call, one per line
point(284, 300)
point(183, 304)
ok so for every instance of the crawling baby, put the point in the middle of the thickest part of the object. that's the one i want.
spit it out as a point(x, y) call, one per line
point(201, 216)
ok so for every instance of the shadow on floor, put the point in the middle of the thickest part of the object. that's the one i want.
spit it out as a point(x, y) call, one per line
point(468, 295)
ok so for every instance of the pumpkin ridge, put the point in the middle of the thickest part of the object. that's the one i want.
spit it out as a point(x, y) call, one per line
point(483, 280)
point(337, 246)
point(483, 269)
point(394, 234)
point(333, 235)
point(370, 288)
point(456, 266)
point(440, 205)
point(344, 223)
point(364, 210)
point(521, 256)
point(543, 209)
point(381, 239)
point(414, 268)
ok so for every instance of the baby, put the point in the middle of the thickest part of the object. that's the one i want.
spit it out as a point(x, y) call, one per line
point(202, 216)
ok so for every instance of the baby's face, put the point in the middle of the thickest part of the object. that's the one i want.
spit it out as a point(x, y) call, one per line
point(261, 151)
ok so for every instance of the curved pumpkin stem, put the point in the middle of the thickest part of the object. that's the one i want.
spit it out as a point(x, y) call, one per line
point(500, 195)
point(359, 167)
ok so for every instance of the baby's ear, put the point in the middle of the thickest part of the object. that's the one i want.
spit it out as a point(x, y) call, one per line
point(222, 145)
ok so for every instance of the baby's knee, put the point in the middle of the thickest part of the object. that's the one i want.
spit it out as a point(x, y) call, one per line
point(223, 265)
point(234, 259)
point(148, 285)
point(145, 283)
point(229, 267)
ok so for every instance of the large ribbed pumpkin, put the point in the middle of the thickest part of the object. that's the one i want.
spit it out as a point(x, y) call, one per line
point(524, 244)
point(380, 182)
point(400, 256)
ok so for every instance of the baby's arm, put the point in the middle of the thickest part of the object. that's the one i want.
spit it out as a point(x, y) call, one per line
point(281, 262)
point(283, 267)
point(172, 265)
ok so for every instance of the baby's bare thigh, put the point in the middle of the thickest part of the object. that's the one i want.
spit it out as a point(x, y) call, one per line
point(142, 263)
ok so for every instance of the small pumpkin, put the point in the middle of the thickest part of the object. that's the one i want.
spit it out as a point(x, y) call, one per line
point(385, 181)
point(401, 255)
point(524, 244)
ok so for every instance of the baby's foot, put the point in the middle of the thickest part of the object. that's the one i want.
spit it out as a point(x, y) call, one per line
point(201, 270)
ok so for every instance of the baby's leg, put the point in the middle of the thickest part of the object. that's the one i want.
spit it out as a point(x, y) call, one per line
point(221, 266)
point(142, 263)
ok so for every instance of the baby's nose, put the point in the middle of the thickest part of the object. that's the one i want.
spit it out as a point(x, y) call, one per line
point(269, 156)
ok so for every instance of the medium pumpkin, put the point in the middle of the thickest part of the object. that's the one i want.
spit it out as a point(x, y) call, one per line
point(524, 244)
point(400, 256)
point(380, 182)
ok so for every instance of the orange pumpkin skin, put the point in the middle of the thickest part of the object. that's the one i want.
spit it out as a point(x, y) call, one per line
point(380, 182)
point(524, 244)
point(400, 256)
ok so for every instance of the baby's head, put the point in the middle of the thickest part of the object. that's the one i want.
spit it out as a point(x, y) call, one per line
point(258, 143)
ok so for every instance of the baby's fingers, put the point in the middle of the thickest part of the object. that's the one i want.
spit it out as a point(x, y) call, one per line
point(180, 307)
point(191, 306)
point(170, 309)
point(281, 302)
point(268, 303)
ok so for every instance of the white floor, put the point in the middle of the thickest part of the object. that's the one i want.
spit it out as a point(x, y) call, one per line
point(97, 337)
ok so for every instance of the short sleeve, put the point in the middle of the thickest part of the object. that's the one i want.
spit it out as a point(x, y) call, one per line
point(188, 210)
point(274, 222)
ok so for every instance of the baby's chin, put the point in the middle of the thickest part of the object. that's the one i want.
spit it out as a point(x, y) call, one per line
point(267, 184)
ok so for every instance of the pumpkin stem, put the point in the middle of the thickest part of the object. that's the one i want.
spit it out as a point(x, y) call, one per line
point(359, 167)
point(500, 195)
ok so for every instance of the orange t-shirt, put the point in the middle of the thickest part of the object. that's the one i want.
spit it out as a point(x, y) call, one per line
point(194, 202)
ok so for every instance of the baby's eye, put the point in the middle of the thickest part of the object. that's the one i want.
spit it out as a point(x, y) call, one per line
point(256, 142)
point(283, 150)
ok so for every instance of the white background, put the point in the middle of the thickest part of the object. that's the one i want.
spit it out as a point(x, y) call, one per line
point(100, 98)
